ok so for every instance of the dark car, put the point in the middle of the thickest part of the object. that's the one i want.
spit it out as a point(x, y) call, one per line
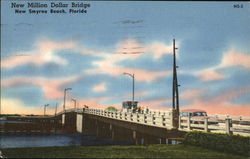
point(198, 114)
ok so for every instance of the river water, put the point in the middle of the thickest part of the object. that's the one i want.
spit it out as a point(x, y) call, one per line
point(13, 141)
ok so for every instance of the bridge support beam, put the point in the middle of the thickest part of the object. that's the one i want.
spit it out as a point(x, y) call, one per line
point(103, 130)
point(121, 134)
point(88, 126)
point(130, 132)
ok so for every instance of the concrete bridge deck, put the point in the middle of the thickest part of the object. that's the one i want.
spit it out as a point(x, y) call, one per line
point(141, 128)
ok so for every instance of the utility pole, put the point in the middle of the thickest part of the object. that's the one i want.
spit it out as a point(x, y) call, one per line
point(174, 69)
point(46, 105)
point(64, 98)
point(175, 82)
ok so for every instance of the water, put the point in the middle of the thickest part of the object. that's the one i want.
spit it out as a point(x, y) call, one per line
point(13, 141)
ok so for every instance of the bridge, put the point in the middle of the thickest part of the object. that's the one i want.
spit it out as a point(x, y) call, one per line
point(155, 126)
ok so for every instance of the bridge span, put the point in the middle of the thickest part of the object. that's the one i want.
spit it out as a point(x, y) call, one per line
point(141, 128)
point(151, 127)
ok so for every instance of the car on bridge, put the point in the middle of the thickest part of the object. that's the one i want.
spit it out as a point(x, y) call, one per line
point(199, 115)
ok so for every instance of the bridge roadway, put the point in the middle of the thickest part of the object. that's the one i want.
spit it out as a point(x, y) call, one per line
point(140, 128)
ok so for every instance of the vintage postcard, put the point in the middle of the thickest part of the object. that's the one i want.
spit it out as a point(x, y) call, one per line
point(166, 75)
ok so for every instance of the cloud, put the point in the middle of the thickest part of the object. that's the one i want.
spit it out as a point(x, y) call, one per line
point(45, 51)
point(234, 58)
point(51, 87)
point(110, 62)
point(159, 49)
point(140, 74)
point(210, 75)
point(219, 103)
point(15, 106)
point(156, 103)
point(97, 102)
point(229, 59)
point(100, 87)
point(193, 94)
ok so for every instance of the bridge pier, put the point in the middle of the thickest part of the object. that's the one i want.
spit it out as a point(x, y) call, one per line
point(79, 122)
point(145, 139)
point(69, 121)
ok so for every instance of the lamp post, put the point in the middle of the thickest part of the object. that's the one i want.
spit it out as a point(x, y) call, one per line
point(56, 109)
point(46, 105)
point(74, 100)
point(65, 90)
point(133, 89)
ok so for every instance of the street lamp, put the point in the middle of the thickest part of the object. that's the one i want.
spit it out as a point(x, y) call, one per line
point(56, 109)
point(65, 90)
point(133, 89)
point(46, 105)
point(74, 100)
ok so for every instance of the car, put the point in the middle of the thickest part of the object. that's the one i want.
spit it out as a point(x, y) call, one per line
point(198, 114)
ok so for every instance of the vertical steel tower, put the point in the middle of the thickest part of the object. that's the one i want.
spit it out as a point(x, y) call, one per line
point(175, 82)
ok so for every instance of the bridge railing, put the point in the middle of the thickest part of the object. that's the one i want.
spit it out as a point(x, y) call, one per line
point(216, 123)
point(153, 118)
point(230, 125)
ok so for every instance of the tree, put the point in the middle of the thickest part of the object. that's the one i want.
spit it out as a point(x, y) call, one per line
point(111, 108)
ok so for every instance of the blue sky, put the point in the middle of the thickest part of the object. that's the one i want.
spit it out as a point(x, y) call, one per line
point(43, 54)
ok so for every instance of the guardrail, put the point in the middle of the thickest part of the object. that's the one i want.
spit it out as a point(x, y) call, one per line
point(152, 118)
point(216, 123)
point(229, 125)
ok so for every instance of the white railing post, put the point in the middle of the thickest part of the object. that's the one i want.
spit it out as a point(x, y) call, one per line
point(120, 115)
point(144, 118)
point(206, 124)
point(162, 120)
point(189, 123)
point(136, 117)
point(115, 114)
point(153, 119)
point(228, 123)
point(171, 118)
point(129, 116)
point(180, 122)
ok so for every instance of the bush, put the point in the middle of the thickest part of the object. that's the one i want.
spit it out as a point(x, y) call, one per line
point(221, 142)
point(111, 108)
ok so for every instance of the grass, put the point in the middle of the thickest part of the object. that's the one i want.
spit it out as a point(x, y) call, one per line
point(150, 151)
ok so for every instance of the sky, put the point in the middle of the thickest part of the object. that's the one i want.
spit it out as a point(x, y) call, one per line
point(42, 54)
